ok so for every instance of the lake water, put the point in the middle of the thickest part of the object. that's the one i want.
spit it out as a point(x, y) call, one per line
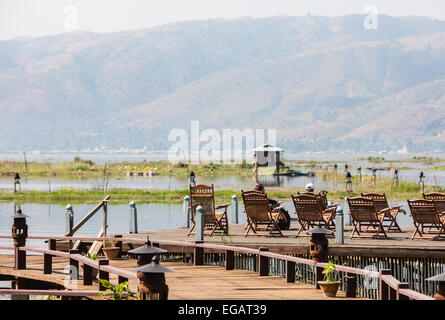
point(220, 183)
point(50, 219)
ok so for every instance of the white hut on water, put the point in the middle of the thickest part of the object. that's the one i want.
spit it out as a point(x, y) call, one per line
point(267, 159)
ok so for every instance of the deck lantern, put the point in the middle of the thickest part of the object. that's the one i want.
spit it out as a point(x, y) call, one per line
point(146, 252)
point(319, 245)
point(192, 178)
point(19, 228)
point(440, 278)
point(152, 280)
point(17, 182)
point(19, 235)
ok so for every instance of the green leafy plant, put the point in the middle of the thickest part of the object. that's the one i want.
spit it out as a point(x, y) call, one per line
point(119, 292)
point(91, 256)
point(330, 272)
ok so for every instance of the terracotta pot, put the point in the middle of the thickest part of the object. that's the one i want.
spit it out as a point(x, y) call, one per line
point(111, 253)
point(329, 289)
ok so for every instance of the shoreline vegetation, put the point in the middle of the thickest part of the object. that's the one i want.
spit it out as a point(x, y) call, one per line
point(86, 168)
point(405, 190)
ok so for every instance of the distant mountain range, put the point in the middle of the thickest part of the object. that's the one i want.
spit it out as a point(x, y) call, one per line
point(325, 83)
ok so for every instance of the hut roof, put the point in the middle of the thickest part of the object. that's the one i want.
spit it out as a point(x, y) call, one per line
point(268, 147)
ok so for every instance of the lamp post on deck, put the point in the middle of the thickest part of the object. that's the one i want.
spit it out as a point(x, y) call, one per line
point(318, 249)
point(19, 235)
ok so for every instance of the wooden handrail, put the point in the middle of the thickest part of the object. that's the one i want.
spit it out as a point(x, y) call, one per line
point(65, 293)
point(388, 279)
point(88, 216)
point(414, 294)
point(119, 272)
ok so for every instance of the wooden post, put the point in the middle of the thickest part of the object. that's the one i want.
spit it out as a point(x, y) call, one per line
point(290, 271)
point(69, 223)
point(74, 266)
point(133, 218)
point(186, 210)
point(87, 275)
point(351, 285)
point(103, 274)
point(339, 225)
point(119, 244)
point(198, 255)
point(48, 258)
point(230, 260)
point(403, 285)
point(383, 287)
point(20, 259)
point(263, 262)
point(104, 221)
point(318, 276)
point(234, 209)
point(199, 226)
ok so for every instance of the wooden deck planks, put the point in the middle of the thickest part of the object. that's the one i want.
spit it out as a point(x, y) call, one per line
point(188, 282)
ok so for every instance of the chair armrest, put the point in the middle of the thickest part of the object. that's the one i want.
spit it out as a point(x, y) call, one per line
point(222, 206)
point(399, 208)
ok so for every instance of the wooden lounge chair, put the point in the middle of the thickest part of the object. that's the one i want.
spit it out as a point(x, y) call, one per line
point(425, 214)
point(213, 220)
point(381, 203)
point(438, 199)
point(260, 218)
point(311, 212)
point(364, 213)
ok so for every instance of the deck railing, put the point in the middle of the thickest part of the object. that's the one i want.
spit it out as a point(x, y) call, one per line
point(384, 285)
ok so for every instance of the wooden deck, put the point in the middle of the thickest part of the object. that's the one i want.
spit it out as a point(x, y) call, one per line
point(187, 283)
point(397, 244)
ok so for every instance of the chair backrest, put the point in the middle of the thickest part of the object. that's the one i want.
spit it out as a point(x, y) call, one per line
point(256, 206)
point(434, 196)
point(380, 200)
point(438, 199)
point(439, 204)
point(423, 211)
point(362, 209)
point(321, 197)
point(307, 207)
point(202, 195)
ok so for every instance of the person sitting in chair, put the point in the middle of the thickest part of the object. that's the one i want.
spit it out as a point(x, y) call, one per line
point(310, 187)
point(283, 223)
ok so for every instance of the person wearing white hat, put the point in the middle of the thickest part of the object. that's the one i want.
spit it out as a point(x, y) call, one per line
point(310, 187)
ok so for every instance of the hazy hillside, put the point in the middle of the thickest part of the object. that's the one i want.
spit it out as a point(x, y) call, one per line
point(324, 83)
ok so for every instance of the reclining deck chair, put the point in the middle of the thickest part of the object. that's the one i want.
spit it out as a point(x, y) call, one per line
point(425, 214)
point(260, 217)
point(310, 212)
point(213, 220)
point(364, 213)
point(381, 203)
point(438, 199)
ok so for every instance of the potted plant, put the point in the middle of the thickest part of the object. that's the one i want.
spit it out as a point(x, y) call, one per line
point(119, 292)
point(329, 287)
point(92, 257)
point(110, 249)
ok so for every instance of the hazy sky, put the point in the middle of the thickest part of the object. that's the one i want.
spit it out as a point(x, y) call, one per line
point(43, 17)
